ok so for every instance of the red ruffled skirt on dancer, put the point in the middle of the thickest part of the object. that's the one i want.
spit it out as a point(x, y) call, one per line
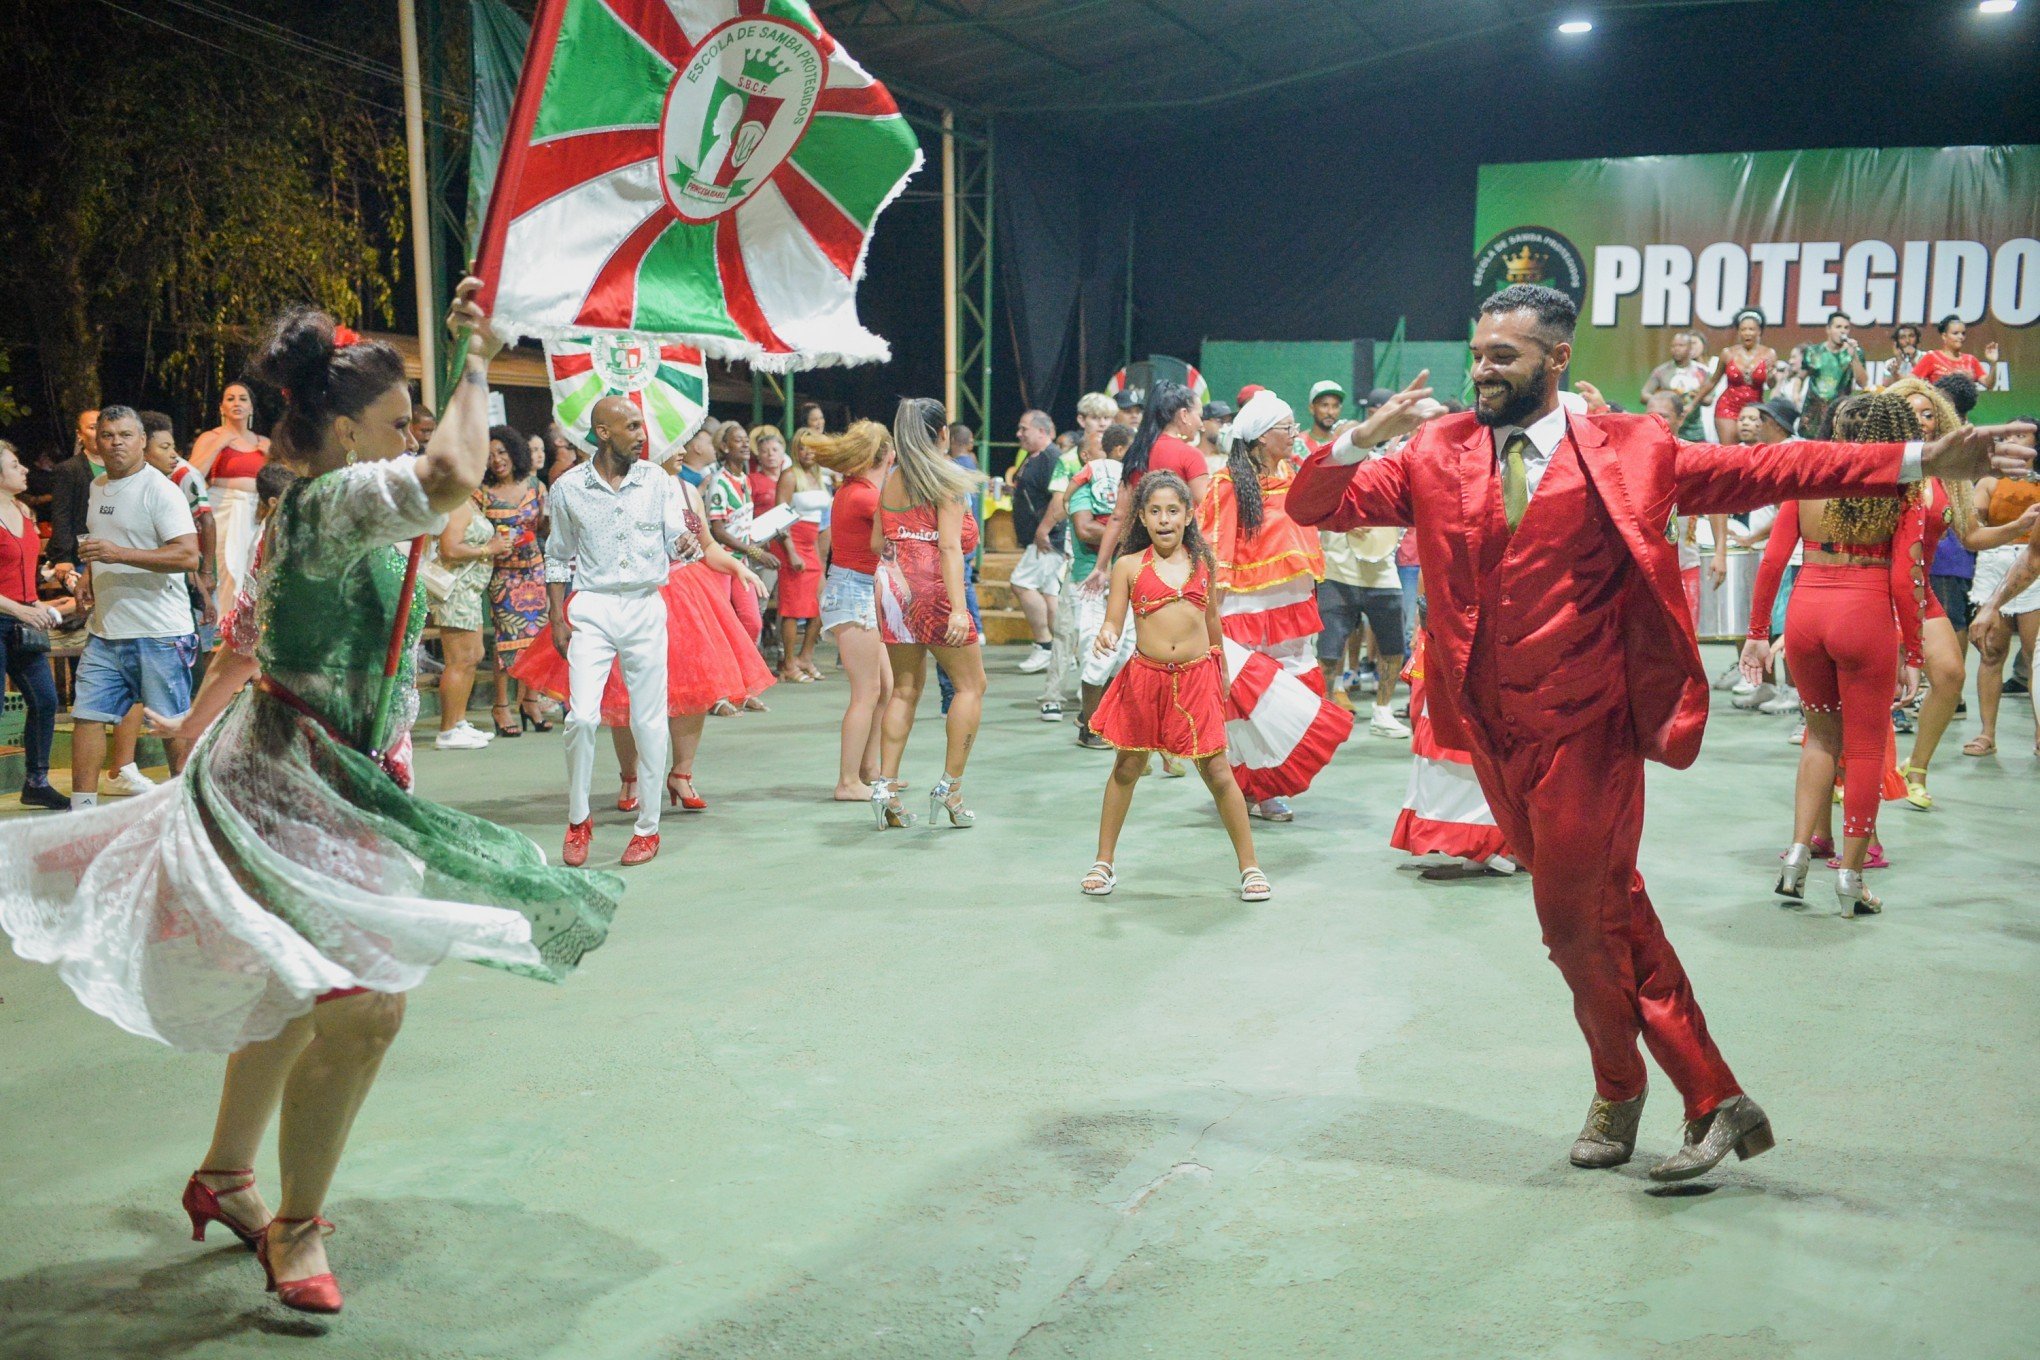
point(1445, 812)
point(800, 592)
point(1280, 730)
point(1172, 707)
point(709, 656)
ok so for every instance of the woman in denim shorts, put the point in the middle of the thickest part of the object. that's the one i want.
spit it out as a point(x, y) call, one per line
point(861, 455)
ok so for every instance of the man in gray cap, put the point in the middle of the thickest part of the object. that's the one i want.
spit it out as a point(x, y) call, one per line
point(1327, 400)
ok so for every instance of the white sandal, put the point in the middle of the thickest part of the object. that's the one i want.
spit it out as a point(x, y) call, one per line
point(1102, 876)
point(1254, 886)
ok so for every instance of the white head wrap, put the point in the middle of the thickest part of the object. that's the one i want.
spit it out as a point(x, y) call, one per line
point(1262, 413)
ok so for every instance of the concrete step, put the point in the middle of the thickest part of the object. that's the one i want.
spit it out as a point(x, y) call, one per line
point(1006, 626)
point(997, 566)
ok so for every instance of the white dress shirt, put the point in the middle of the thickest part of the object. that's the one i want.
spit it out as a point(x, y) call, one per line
point(614, 539)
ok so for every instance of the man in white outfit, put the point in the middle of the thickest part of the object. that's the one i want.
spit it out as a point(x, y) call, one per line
point(618, 524)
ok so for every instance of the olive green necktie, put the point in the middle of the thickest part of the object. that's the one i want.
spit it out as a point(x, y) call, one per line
point(1515, 479)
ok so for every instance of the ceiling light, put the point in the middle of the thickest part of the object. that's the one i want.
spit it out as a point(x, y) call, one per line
point(1582, 26)
point(1997, 6)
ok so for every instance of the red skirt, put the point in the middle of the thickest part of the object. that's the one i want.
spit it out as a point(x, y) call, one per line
point(1175, 708)
point(800, 592)
point(709, 658)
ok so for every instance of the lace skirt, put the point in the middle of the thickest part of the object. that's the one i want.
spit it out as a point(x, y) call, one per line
point(211, 911)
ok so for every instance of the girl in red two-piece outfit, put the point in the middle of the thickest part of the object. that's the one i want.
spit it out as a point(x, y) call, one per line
point(1856, 604)
point(1171, 696)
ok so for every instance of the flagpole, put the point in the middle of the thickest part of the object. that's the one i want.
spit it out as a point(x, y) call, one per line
point(421, 203)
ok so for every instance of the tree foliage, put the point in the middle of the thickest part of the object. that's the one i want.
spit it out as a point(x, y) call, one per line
point(174, 186)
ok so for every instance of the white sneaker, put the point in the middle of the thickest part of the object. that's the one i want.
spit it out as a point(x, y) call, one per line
point(460, 738)
point(130, 779)
point(1740, 688)
point(1050, 711)
point(1787, 701)
point(1730, 678)
point(1756, 698)
point(1036, 662)
point(1385, 724)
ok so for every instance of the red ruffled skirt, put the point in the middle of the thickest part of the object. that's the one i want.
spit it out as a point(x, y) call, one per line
point(1177, 709)
point(800, 592)
point(709, 657)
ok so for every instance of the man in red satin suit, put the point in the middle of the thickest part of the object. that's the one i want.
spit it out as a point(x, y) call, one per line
point(1562, 655)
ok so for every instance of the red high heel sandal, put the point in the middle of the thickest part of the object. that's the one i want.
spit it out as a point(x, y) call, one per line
point(686, 802)
point(313, 1294)
point(626, 797)
point(202, 1202)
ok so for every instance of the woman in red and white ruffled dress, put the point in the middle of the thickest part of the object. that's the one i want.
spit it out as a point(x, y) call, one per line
point(1280, 728)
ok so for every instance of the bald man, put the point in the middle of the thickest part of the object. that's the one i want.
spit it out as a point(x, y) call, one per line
point(618, 523)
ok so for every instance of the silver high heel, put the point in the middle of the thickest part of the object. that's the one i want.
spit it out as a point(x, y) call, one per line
point(886, 809)
point(1853, 897)
point(945, 798)
point(1792, 877)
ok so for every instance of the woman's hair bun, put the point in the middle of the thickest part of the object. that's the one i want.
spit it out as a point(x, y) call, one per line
point(295, 356)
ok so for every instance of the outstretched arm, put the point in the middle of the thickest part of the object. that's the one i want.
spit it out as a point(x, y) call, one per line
point(1771, 570)
point(1720, 478)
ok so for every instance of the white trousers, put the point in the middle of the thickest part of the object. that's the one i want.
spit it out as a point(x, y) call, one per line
point(629, 629)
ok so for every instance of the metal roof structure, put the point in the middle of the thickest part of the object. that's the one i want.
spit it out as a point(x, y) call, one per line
point(1078, 58)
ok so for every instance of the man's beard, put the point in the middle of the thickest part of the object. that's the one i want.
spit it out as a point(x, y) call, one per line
point(1522, 404)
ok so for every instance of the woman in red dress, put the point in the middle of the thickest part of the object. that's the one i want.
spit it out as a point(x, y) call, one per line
point(1858, 599)
point(1949, 358)
point(924, 531)
point(1747, 367)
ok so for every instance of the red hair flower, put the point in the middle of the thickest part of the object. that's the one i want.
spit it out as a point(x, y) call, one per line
point(343, 336)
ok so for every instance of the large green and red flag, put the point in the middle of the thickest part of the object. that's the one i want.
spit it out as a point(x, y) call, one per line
point(702, 171)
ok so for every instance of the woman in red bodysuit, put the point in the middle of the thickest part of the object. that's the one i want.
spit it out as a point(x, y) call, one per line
point(924, 531)
point(1746, 367)
point(1857, 600)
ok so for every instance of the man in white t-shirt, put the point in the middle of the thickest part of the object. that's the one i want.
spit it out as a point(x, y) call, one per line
point(137, 543)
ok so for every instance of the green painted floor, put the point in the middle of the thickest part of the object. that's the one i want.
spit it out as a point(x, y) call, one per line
point(828, 1093)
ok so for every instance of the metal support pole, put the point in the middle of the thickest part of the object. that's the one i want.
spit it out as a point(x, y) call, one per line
point(949, 299)
point(1126, 346)
point(985, 361)
point(421, 205)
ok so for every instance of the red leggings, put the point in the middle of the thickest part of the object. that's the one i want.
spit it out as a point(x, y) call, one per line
point(1841, 641)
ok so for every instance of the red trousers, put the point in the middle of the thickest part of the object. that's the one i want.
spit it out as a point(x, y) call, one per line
point(1572, 809)
point(1841, 641)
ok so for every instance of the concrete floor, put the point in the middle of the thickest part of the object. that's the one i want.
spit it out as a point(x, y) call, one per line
point(827, 1093)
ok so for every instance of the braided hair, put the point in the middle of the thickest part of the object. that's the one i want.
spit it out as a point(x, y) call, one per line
point(1870, 418)
point(1245, 471)
point(1137, 539)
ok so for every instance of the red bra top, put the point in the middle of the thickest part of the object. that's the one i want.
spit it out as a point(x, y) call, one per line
point(233, 462)
point(1755, 379)
point(1151, 592)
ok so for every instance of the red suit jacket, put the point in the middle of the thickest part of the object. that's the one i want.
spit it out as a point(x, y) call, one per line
point(1445, 484)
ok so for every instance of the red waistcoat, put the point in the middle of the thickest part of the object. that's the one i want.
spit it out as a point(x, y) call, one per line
point(1547, 657)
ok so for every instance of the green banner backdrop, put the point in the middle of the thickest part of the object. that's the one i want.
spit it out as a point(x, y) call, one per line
point(1657, 244)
